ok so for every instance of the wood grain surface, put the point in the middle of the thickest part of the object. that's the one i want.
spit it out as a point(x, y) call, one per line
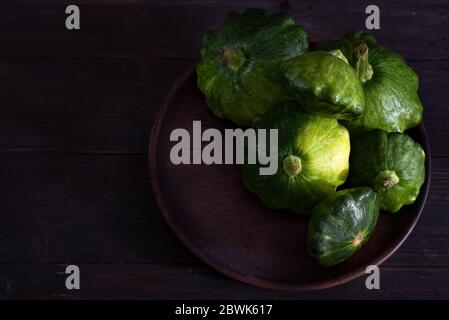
point(76, 109)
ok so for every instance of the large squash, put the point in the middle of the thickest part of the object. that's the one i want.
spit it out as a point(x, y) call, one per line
point(324, 83)
point(341, 224)
point(390, 85)
point(391, 163)
point(313, 159)
point(239, 72)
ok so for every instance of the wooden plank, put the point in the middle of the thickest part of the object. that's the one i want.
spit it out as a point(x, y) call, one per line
point(82, 105)
point(108, 105)
point(175, 30)
point(99, 208)
point(151, 281)
point(85, 208)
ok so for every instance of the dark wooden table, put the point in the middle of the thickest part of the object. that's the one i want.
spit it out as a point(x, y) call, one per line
point(76, 108)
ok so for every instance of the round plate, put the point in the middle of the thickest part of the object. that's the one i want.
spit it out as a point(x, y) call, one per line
point(227, 227)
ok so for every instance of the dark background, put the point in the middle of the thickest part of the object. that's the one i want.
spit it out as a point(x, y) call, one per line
point(76, 108)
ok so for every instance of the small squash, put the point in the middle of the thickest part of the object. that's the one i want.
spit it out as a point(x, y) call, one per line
point(341, 224)
point(239, 72)
point(324, 83)
point(389, 84)
point(391, 163)
point(313, 159)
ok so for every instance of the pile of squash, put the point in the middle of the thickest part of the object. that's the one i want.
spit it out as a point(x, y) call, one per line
point(340, 110)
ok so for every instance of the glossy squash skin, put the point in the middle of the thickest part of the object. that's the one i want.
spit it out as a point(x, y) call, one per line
point(324, 83)
point(390, 85)
point(341, 224)
point(313, 159)
point(391, 163)
point(239, 72)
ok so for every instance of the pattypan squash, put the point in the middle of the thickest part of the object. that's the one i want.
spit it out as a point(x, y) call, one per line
point(341, 224)
point(391, 163)
point(390, 85)
point(239, 72)
point(313, 159)
point(324, 83)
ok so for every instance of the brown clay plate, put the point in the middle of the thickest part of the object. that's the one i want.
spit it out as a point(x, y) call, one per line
point(227, 227)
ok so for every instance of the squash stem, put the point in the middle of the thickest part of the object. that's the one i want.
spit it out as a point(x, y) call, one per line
point(386, 179)
point(358, 239)
point(234, 58)
point(362, 66)
point(337, 53)
point(292, 165)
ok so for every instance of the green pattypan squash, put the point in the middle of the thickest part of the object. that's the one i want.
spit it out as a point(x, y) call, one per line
point(324, 83)
point(390, 85)
point(313, 159)
point(391, 163)
point(239, 72)
point(341, 224)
